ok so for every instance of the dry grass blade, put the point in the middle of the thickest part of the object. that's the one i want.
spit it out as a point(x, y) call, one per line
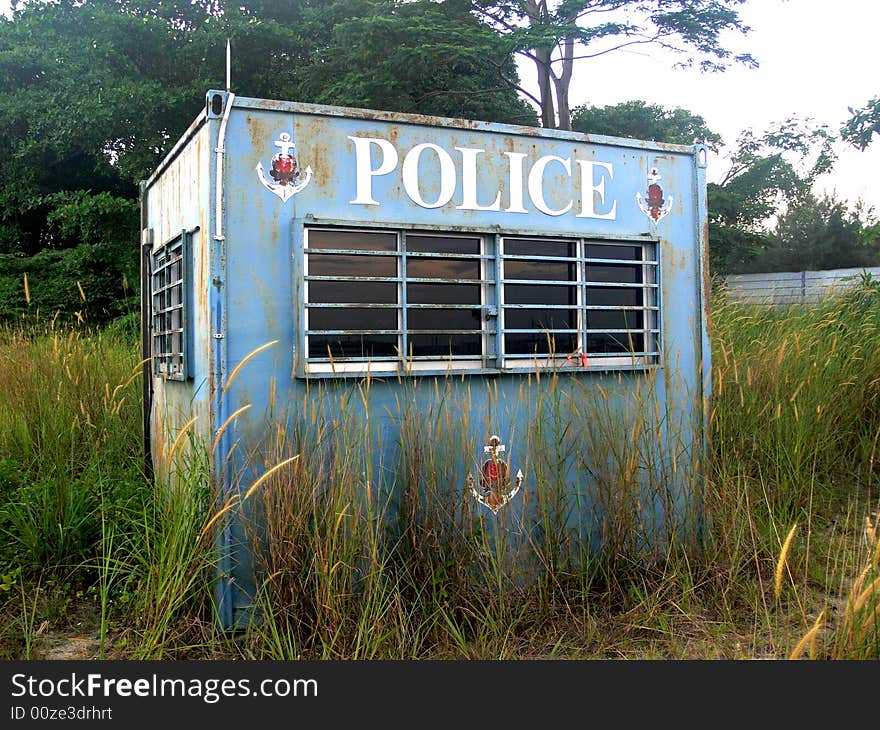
point(783, 557)
point(809, 639)
point(222, 429)
point(179, 438)
point(855, 590)
point(234, 500)
point(245, 359)
point(867, 624)
point(269, 473)
point(871, 591)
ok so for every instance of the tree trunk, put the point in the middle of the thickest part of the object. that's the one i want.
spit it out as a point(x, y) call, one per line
point(545, 87)
point(537, 9)
point(563, 83)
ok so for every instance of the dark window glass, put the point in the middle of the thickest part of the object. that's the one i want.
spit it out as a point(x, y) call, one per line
point(539, 294)
point(613, 297)
point(538, 247)
point(613, 273)
point(361, 292)
point(353, 345)
point(442, 244)
point(615, 343)
point(540, 343)
point(426, 268)
point(441, 345)
point(340, 265)
point(545, 270)
point(626, 253)
point(443, 293)
point(542, 319)
point(443, 319)
point(615, 319)
point(344, 318)
point(351, 240)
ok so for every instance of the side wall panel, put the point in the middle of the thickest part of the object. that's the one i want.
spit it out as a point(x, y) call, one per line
point(179, 200)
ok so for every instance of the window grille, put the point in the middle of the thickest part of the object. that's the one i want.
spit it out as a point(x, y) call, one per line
point(169, 310)
point(387, 297)
point(392, 301)
point(578, 300)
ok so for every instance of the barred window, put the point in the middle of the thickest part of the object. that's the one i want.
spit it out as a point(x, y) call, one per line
point(405, 301)
point(387, 297)
point(579, 300)
point(169, 311)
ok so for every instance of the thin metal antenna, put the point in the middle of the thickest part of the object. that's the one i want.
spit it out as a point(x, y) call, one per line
point(228, 66)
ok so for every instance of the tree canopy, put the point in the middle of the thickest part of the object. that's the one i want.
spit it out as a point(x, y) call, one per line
point(864, 123)
point(640, 120)
point(93, 93)
point(767, 171)
point(554, 35)
point(814, 234)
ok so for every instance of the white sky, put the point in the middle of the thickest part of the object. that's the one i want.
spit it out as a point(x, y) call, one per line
point(816, 59)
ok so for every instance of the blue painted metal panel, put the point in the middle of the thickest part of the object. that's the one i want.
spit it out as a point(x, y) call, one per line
point(402, 173)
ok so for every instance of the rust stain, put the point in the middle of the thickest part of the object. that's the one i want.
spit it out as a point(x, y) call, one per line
point(269, 301)
point(159, 443)
point(704, 254)
point(680, 260)
point(312, 150)
point(269, 104)
point(260, 130)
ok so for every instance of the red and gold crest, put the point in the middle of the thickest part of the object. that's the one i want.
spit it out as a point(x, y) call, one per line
point(496, 489)
point(654, 205)
point(285, 171)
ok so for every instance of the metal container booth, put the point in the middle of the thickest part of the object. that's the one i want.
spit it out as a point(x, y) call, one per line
point(294, 252)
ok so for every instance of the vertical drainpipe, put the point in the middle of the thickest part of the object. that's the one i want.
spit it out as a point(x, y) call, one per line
point(217, 296)
point(701, 231)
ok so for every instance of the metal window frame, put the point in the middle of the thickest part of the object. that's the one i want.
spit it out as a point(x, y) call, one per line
point(403, 361)
point(493, 358)
point(650, 330)
point(169, 345)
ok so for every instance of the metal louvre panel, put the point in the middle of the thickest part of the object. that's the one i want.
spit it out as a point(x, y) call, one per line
point(169, 309)
point(380, 295)
point(593, 300)
point(433, 279)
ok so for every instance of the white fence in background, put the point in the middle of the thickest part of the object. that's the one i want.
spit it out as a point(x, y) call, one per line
point(793, 287)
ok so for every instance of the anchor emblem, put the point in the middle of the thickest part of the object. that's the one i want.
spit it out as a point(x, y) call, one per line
point(286, 173)
point(654, 207)
point(495, 487)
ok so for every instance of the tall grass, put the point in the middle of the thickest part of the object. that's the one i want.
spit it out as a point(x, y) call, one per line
point(69, 441)
point(795, 429)
point(370, 548)
point(365, 551)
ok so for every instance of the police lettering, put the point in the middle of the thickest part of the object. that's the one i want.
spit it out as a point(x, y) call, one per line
point(376, 158)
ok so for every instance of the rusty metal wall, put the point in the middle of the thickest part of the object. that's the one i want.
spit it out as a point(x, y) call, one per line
point(254, 272)
point(178, 200)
